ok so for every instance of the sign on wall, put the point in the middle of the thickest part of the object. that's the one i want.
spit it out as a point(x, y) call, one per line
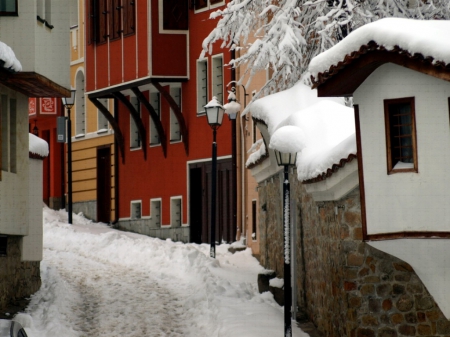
point(48, 106)
point(32, 106)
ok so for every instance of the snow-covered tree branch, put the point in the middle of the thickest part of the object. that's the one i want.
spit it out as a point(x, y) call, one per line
point(283, 36)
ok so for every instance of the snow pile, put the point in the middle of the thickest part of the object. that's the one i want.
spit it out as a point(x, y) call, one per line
point(257, 151)
point(9, 58)
point(427, 37)
point(320, 130)
point(37, 145)
point(100, 281)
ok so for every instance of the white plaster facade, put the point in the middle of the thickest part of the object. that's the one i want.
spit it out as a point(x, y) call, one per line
point(406, 201)
point(39, 48)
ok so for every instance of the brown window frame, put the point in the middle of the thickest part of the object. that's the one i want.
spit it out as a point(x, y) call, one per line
point(388, 103)
point(98, 23)
point(11, 13)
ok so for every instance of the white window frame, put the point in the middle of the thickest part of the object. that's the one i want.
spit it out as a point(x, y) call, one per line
point(209, 7)
point(202, 85)
point(102, 122)
point(155, 102)
point(217, 84)
point(135, 143)
point(153, 217)
point(173, 210)
point(135, 209)
point(175, 131)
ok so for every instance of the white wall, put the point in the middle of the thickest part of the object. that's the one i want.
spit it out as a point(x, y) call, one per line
point(406, 201)
point(32, 244)
point(37, 47)
point(14, 205)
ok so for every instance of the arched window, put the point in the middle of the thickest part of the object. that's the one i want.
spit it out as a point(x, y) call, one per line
point(80, 117)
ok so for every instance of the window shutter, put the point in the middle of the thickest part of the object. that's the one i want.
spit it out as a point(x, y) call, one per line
point(114, 19)
point(102, 21)
point(175, 15)
point(129, 17)
point(200, 4)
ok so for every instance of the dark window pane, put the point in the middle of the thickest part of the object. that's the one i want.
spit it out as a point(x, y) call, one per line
point(8, 7)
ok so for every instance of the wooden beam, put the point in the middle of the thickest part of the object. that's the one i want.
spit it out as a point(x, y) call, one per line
point(177, 112)
point(137, 119)
point(117, 133)
point(154, 116)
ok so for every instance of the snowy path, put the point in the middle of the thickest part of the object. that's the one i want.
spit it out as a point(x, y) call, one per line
point(109, 294)
point(100, 282)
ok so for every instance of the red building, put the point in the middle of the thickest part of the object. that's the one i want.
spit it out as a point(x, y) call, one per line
point(145, 56)
point(42, 113)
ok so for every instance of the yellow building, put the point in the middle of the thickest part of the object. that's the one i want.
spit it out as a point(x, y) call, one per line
point(93, 165)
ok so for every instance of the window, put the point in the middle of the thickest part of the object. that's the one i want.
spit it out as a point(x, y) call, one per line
point(102, 122)
point(106, 18)
point(202, 85)
point(8, 8)
point(9, 134)
point(175, 134)
point(254, 220)
point(129, 17)
point(115, 28)
point(3, 245)
point(401, 143)
point(155, 102)
point(175, 15)
point(135, 138)
point(80, 117)
point(155, 213)
point(136, 209)
point(217, 77)
point(204, 4)
point(175, 211)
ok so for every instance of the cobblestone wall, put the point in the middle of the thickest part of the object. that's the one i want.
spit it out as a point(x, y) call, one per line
point(344, 286)
point(17, 279)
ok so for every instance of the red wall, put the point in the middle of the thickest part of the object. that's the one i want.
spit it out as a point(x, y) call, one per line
point(159, 177)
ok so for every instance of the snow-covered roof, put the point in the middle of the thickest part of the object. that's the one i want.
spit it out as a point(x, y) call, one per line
point(427, 38)
point(37, 146)
point(326, 128)
point(9, 58)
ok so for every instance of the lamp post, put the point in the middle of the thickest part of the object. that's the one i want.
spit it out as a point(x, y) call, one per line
point(231, 109)
point(286, 159)
point(69, 102)
point(214, 113)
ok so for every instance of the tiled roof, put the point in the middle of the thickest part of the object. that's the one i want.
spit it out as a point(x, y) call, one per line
point(331, 170)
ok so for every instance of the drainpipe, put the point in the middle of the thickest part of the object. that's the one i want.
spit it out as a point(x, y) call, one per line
point(116, 166)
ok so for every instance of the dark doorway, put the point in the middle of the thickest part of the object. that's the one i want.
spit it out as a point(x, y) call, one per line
point(104, 184)
point(200, 202)
point(196, 204)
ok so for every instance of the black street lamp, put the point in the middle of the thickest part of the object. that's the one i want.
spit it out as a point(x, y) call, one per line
point(214, 113)
point(69, 102)
point(232, 108)
point(287, 159)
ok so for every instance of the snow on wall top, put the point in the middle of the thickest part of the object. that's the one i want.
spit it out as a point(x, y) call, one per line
point(327, 136)
point(7, 55)
point(426, 37)
point(326, 127)
point(37, 146)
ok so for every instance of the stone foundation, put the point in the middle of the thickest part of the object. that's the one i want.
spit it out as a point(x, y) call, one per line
point(17, 279)
point(343, 285)
point(143, 226)
point(88, 208)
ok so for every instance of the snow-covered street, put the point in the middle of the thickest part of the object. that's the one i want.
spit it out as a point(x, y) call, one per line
point(97, 281)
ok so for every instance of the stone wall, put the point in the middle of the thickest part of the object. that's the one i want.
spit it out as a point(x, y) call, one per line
point(143, 226)
point(345, 286)
point(17, 279)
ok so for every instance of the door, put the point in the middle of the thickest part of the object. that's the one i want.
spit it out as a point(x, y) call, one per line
point(196, 204)
point(104, 184)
